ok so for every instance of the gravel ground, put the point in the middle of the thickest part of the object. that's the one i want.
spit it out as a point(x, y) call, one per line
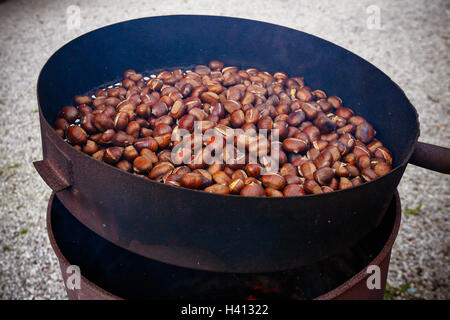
point(411, 46)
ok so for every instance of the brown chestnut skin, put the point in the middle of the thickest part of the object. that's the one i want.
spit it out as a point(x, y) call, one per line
point(213, 168)
point(173, 179)
point(340, 169)
point(150, 155)
point(363, 162)
point(369, 174)
point(295, 145)
point(288, 169)
point(253, 190)
point(124, 165)
point(360, 149)
point(327, 189)
point(87, 123)
point(383, 153)
point(69, 113)
point(345, 113)
point(186, 122)
point(353, 171)
point(90, 147)
point(62, 124)
point(239, 174)
point(76, 135)
point(365, 132)
point(374, 145)
point(160, 170)
point(311, 186)
point(324, 175)
point(113, 154)
point(142, 165)
point(178, 109)
point(130, 153)
point(237, 118)
point(147, 142)
point(191, 180)
point(216, 65)
point(253, 170)
point(382, 168)
point(82, 100)
point(356, 181)
point(307, 170)
point(265, 123)
point(293, 190)
point(325, 124)
point(99, 155)
point(122, 139)
point(236, 185)
point(294, 179)
point(270, 192)
point(206, 177)
point(60, 132)
point(221, 177)
point(296, 117)
point(336, 102)
point(334, 183)
point(218, 189)
point(121, 121)
point(304, 94)
point(273, 180)
point(102, 122)
point(345, 183)
point(105, 137)
point(323, 160)
point(313, 133)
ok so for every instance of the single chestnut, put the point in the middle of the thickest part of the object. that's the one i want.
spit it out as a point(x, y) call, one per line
point(293, 190)
point(191, 180)
point(345, 183)
point(253, 190)
point(273, 180)
point(218, 189)
point(324, 175)
point(76, 135)
point(69, 113)
point(113, 154)
point(160, 170)
point(142, 165)
point(270, 192)
point(365, 132)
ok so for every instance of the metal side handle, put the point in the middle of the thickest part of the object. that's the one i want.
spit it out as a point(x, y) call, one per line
point(431, 157)
point(51, 175)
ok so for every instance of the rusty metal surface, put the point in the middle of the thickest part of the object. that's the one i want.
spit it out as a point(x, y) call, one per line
point(355, 288)
point(88, 290)
point(221, 232)
point(51, 176)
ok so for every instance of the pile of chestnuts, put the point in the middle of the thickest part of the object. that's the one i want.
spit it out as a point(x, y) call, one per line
point(135, 125)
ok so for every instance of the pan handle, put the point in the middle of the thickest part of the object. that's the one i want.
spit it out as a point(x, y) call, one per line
point(431, 157)
point(51, 175)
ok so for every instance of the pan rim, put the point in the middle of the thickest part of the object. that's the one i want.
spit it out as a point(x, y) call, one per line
point(394, 170)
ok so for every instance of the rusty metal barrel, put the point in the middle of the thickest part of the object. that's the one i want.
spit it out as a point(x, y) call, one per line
point(104, 273)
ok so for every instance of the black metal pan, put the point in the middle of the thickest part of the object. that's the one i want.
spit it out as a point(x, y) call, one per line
point(217, 232)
